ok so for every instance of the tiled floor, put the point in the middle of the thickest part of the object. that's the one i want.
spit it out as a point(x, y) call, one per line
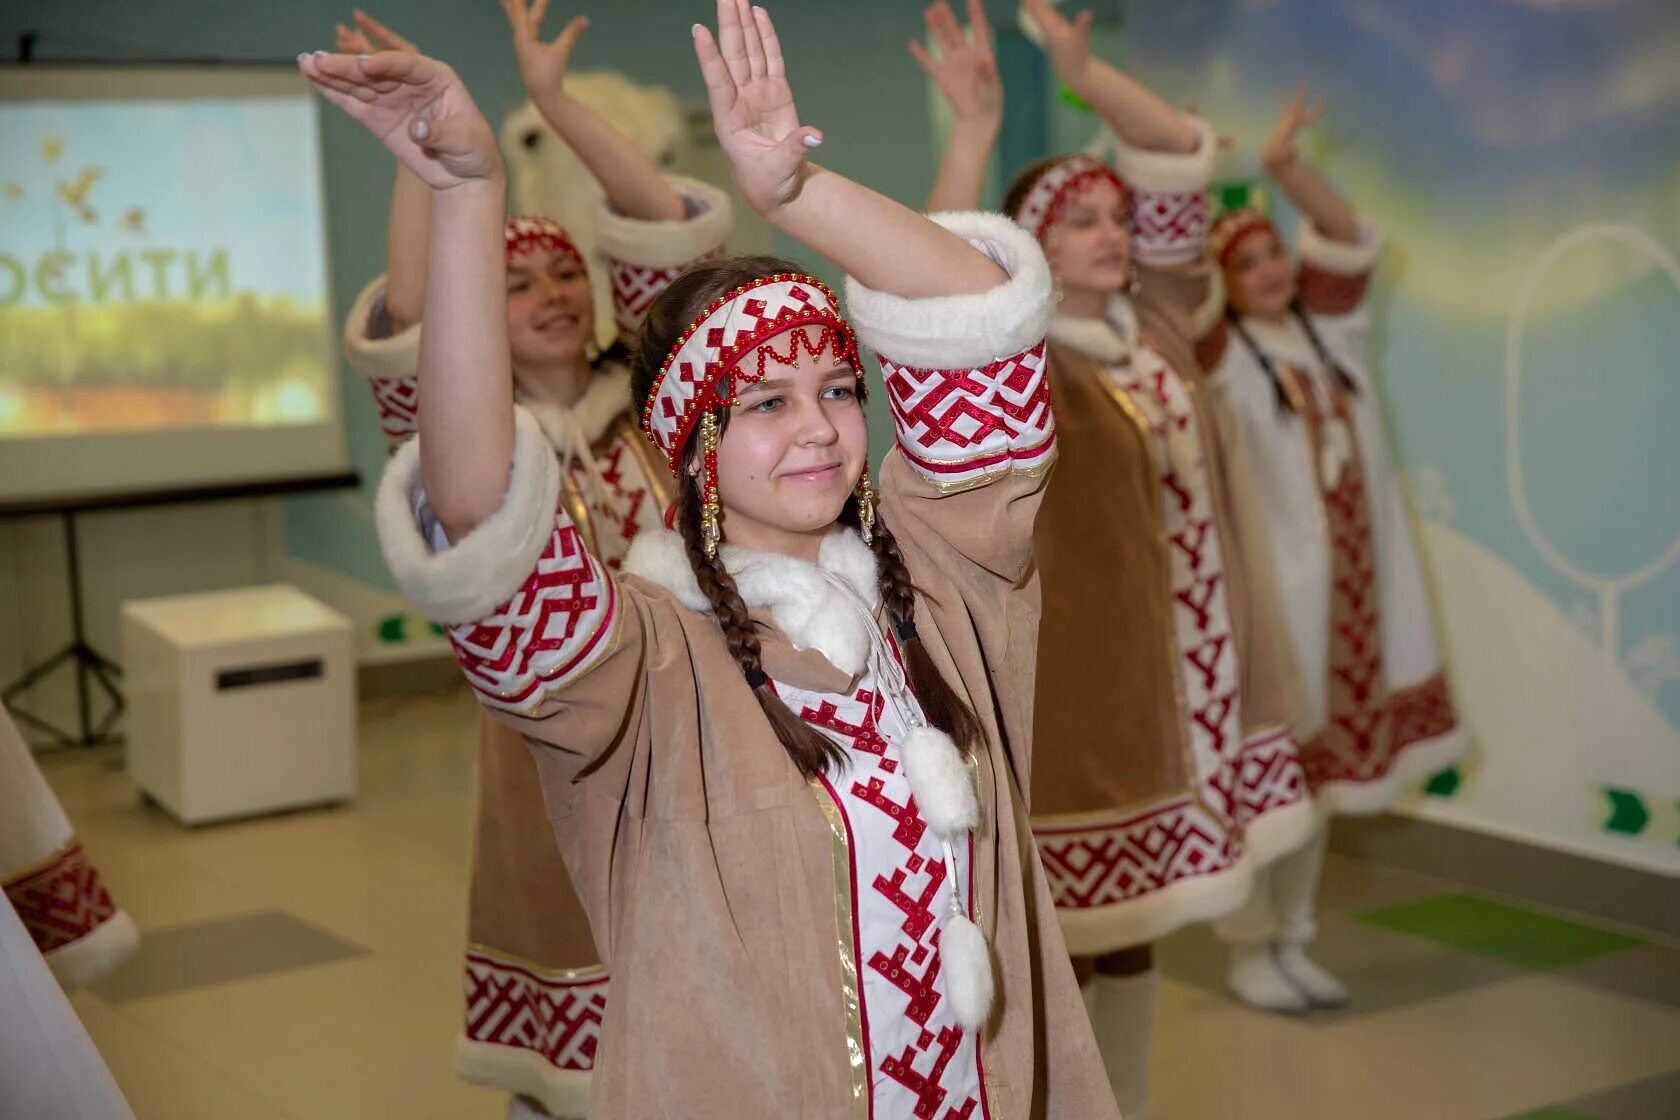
point(306, 967)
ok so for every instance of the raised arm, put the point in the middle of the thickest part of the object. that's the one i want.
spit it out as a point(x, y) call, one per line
point(633, 185)
point(1137, 116)
point(880, 243)
point(965, 70)
point(422, 112)
point(1318, 202)
point(408, 226)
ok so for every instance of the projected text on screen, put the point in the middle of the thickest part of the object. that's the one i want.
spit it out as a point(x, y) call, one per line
point(161, 267)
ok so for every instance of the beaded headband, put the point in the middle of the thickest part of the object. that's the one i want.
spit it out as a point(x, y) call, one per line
point(703, 368)
point(525, 233)
point(1234, 227)
point(1055, 185)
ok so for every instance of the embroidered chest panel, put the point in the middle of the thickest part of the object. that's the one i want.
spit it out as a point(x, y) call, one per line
point(920, 1062)
point(622, 505)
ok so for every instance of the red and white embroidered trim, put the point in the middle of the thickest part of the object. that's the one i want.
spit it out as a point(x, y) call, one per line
point(1058, 183)
point(549, 632)
point(398, 401)
point(1168, 225)
point(62, 902)
point(525, 233)
point(512, 1004)
point(711, 350)
point(1233, 228)
point(959, 427)
point(636, 286)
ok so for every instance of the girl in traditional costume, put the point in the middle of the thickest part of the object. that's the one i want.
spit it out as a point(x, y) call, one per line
point(535, 988)
point(1291, 372)
point(1166, 773)
point(784, 749)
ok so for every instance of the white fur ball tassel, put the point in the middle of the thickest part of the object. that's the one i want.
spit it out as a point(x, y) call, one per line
point(940, 780)
point(967, 964)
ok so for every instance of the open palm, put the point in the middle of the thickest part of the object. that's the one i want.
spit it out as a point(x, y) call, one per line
point(417, 107)
point(542, 66)
point(965, 70)
point(752, 104)
point(1066, 41)
point(1280, 148)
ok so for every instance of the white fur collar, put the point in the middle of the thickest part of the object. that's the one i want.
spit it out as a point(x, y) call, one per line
point(1283, 340)
point(605, 399)
point(804, 604)
point(1110, 339)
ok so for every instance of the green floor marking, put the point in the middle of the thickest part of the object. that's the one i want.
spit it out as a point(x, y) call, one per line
point(1512, 935)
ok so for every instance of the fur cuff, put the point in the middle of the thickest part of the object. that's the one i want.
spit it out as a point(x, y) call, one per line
point(668, 244)
point(1340, 257)
point(373, 352)
point(1169, 172)
point(953, 332)
point(483, 569)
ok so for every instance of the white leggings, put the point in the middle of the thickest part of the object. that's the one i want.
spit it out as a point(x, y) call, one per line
point(1280, 907)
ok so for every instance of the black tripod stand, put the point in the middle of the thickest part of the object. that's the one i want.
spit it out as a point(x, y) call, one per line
point(87, 663)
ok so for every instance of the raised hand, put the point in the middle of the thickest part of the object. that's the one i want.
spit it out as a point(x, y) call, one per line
point(1066, 41)
point(417, 107)
point(752, 105)
point(376, 36)
point(1279, 151)
point(966, 69)
point(542, 66)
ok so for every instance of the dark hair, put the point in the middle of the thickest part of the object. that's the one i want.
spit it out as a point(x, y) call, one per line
point(811, 751)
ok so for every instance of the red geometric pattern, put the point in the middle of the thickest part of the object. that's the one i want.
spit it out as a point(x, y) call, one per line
point(398, 402)
point(921, 1062)
point(63, 901)
point(1420, 712)
point(1055, 185)
point(1269, 776)
point(1107, 864)
point(712, 347)
point(511, 1004)
point(1169, 225)
point(1196, 580)
point(960, 427)
point(1354, 744)
point(1331, 293)
point(550, 632)
point(636, 286)
point(628, 504)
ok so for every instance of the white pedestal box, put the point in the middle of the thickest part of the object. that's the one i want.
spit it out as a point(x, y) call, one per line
point(239, 702)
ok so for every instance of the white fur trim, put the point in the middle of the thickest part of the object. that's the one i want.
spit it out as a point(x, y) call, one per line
point(1211, 310)
point(606, 398)
point(940, 781)
point(954, 332)
point(1415, 764)
point(1340, 257)
point(1169, 172)
point(673, 243)
point(384, 358)
point(563, 1092)
point(966, 964)
point(477, 575)
point(808, 609)
point(660, 557)
point(1109, 340)
point(95, 953)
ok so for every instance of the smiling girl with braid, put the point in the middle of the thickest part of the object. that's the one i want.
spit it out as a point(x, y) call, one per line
point(783, 750)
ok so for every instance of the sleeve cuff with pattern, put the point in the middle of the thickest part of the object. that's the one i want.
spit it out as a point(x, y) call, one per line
point(1336, 274)
point(644, 257)
point(389, 361)
point(966, 375)
point(1170, 215)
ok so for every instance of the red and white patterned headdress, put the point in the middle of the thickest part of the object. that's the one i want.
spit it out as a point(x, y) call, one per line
point(1234, 227)
point(526, 233)
point(703, 369)
point(1058, 183)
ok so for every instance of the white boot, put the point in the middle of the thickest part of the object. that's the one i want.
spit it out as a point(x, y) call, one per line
point(1123, 1017)
point(1323, 989)
point(1256, 980)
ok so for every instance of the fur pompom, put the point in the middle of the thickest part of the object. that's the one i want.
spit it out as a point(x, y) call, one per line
point(939, 778)
point(967, 967)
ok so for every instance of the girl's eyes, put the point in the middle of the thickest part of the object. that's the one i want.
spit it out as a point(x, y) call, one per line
point(768, 404)
point(519, 286)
